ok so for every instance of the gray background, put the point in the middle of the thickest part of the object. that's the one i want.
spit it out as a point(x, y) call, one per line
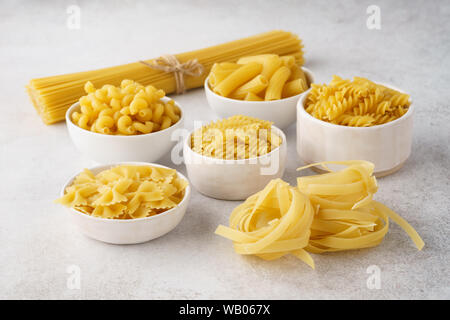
point(411, 51)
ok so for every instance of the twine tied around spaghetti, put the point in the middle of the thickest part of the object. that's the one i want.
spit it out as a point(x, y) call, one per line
point(169, 63)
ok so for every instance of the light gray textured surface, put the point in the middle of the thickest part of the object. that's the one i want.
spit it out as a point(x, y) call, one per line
point(411, 51)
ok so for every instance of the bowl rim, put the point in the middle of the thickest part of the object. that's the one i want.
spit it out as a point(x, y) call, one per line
point(235, 161)
point(135, 163)
point(309, 75)
point(301, 111)
point(134, 136)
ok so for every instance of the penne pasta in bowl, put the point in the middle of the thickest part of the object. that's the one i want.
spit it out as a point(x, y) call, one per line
point(265, 86)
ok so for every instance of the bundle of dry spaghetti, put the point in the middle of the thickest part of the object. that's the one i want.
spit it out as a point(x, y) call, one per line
point(52, 96)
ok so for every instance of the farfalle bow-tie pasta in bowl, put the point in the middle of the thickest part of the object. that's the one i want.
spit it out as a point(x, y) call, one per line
point(130, 122)
point(126, 203)
point(232, 158)
point(357, 119)
point(265, 86)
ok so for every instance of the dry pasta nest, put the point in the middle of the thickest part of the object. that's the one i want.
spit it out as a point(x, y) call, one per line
point(324, 213)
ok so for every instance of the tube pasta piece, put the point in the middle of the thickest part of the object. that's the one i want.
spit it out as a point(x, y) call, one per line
point(228, 65)
point(256, 85)
point(272, 223)
point(237, 78)
point(128, 109)
point(220, 71)
point(297, 73)
point(124, 125)
point(287, 61)
point(234, 138)
point(259, 58)
point(268, 81)
point(270, 65)
point(293, 88)
point(143, 128)
point(250, 96)
point(165, 122)
point(276, 83)
point(125, 192)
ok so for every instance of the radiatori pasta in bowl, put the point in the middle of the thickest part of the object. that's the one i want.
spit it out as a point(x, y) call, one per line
point(265, 87)
point(126, 203)
point(233, 158)
point(357, 119)
point(135, 126)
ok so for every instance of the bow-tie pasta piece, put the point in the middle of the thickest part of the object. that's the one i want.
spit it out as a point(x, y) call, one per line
point(125, 192)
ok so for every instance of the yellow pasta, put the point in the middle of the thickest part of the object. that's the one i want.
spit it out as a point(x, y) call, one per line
point(126, 110)
point(259, 58)
point(125, 192)
point(357, 103)
point(264, 76)
point(144, 128)
point(237, 78)
point(250, 96)
point(276, 83)
point(293, 88)
point(347, 217)
point(328, 212)
point(52, 96)
point(272, 223)
point(288, 61)
point(270, 65)
point(256, 85)
point(220, 71)
point(237, 137)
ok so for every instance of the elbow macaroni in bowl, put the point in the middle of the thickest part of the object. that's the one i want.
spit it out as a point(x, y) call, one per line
point(130, 109)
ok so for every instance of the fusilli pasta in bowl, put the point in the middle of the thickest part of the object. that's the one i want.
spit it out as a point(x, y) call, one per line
point(347, 128)
point(281, 112)
point(126, 202)
point(234, 157)
point(107, 148)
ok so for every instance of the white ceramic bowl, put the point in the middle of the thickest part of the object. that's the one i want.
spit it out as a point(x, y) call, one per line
point(281, 112)
point(129, 231)
point(387, 145)
point(104, 148)
point(234, 179)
